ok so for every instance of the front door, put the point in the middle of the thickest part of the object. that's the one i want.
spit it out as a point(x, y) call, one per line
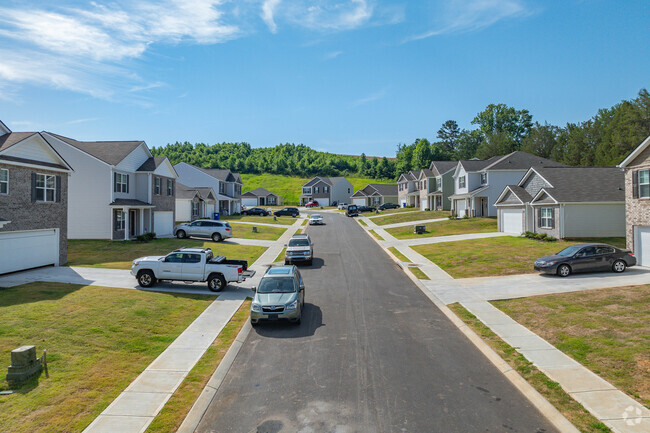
point(133, 220)
point(484, 206)
point(261, 201)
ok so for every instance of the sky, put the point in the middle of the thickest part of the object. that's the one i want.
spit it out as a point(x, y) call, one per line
point(339, 76)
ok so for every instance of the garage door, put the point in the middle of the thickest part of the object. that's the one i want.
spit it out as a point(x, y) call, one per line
point(424, 204)
point(642, 245)
point(359, 201)
point(323, 201)
point(163, 223)
point(28, 249)
point(250, 202)
point(512, 221)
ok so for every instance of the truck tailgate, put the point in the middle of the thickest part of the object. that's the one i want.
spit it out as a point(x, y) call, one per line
point(248, 273)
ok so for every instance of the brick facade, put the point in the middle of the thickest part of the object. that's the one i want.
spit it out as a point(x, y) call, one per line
point(637, 210)
point(24, 214)
point(162, 201)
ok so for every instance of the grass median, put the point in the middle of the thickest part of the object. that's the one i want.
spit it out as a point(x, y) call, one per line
point(419, 274)
point(99, 339)
point(259, 219)
point(403, 217)
point(399, 255)
point(376, 235)
point(267, 233)
point(447, 228)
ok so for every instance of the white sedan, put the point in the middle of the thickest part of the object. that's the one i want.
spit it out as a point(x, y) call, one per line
point(315, 219)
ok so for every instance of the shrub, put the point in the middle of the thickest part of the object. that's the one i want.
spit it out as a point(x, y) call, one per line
point(427, 209)
point(147, 237)
point(544, 237)
point(453, 216)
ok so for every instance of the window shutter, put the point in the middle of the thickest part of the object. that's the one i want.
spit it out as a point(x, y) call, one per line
point(33, 187)
point(58, 189)
point(127, 183)
point(114, 182)
point(539, 217)
point(552, 218)
point(635, 184)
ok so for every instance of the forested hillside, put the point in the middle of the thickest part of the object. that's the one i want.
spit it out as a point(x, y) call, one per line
point(605, 139)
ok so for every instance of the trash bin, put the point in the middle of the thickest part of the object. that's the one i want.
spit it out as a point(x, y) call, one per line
point(216, 215)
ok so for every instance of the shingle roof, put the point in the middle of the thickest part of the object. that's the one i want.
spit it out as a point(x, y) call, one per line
point(259, 192)
point(130, 202)
point(184, 191)
point(385, 189)
point(442, 167)
point(519, 160)
point(521, 193)
point(111, 152)
point(152, 163)
point(427, 173)
point(477, 164)
point(8, 140)
point(584, 184)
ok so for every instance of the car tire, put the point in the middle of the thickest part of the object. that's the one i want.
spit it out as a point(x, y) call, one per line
point(181, 234)
point(619, 266)
point(564, 270)
point(146, 278)
point(216, 237)
point(286, 263)
point(216, 283)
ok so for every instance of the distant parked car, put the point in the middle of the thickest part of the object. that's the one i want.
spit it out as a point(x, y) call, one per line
point(316, 219)
point(352, 210)
point(312, 203)
point(343, 206)
point(388, 206)
point(287, 211)
point(367, 208)
point(217, 230)
point(586, 258)
point(255, 211)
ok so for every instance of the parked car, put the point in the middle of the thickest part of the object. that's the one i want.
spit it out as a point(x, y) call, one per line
point(342, 206)
point(255, 211)
point(279, 296)
point(312, 203)
point(586, 258)
point(216, 230)
point(299, 249)
point(388, 206)
point(190, 264)
point(367, 208)
point(352, 210)
point(287, 211)
point(316, 219)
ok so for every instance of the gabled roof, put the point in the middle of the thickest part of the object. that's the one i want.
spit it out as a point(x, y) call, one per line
point(259, 192)
point(518, 192)
point(632, 156)
point(472, 165)
point(376, 189)
point(223, 175)
point(189, 192)
point(584, 184)
point(110, 152)
point(8, 140)
point(328, 180)
point(519, 160)
point(152, 163)
point(425, 173)
point(441, 167)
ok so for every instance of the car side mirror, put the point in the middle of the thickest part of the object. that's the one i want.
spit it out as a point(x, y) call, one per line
point(254, 288)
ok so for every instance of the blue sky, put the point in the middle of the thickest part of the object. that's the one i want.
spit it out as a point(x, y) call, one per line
point(342, 76)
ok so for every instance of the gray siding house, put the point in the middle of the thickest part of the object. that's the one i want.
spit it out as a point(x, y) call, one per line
point(327, 190)
point(375, 194)
point(226, 184)
point(260, 197)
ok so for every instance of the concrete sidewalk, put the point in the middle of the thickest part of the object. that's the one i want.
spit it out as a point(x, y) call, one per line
point(410, 223)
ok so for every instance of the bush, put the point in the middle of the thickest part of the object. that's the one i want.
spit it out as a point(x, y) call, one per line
point(427, 209)
point(544, 237)
point(147, 237)
point(453, 216)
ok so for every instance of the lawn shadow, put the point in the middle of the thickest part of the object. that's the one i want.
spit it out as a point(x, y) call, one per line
point(36, 292)
point(312, 319)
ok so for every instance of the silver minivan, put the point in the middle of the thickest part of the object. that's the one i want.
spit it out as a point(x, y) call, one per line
point(216, 230)
point(279, 296)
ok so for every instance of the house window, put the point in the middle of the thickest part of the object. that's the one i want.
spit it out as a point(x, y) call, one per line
point(237, 189)
point(424, 184)
point(4, 181)
point(326, 189)
point(157, 182)
point(316, 189)
point(45, 188)
point(121, 183)
point(222, 188)
point(461, 182)
point(644, 183)
point(170, 187)
point(348, 190)
point(195, 208)
point(120, 220)
point(546, 218)
point(483, 178)
point(271, 200)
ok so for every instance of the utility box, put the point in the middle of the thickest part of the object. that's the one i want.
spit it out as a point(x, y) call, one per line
point(24, 364)
point(419, 229)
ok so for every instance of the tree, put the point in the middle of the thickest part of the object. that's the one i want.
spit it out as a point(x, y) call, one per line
point(542, 140)
point(505, 125)
point(468, 143)
point(422, 154)
point(448, 136)
point(404, 158)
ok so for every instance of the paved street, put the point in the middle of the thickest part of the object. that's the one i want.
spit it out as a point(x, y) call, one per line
point(373, 354)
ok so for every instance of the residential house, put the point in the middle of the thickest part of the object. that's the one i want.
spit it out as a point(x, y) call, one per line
point(479, 183)
point(118, 191)
point(33, 202)
point(565, 202)
point(260, 197)
point(327, 190)
point(194, 203)
point(226, 184)
point(375, 194)
point(637, 201)
point(440, 185)
point(408, 190)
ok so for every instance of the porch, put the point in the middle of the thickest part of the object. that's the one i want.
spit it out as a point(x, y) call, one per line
point(130, 218)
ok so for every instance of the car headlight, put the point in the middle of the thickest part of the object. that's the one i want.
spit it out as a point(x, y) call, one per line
point(257, 308)
point(292, 306)
point(136, 263)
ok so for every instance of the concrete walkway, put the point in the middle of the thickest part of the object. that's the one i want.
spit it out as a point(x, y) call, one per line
point(410, 223)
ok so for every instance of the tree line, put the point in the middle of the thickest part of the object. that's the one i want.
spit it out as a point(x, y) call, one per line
point(603, 140)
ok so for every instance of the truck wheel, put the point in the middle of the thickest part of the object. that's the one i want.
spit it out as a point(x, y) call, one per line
point(216, 283)
point(216, 237)
point(146, 278)
point(181, 234)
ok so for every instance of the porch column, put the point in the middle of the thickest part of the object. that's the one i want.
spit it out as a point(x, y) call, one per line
point(112, 222)
point(142, 211)
point(127, 217)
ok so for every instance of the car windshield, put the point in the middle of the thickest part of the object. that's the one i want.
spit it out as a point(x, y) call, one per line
point(276, 285)
point(316, 216)
point(568, 251)
point(298, 243)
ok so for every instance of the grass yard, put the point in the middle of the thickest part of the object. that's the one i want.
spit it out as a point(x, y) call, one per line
point(607, 331)
point(398, 210)
point(178, 406)
point(119, 255)
point(399, 255)
point(98, 340)
point(362, 222)
point(552, 391)
point(287, 221)
point(418, 273)
point(245, 231)
point(448, 227)
point(403, 217)
point(505, 255)
point(376, 235)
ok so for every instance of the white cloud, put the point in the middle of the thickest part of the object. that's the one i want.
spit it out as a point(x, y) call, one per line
point(268, 11)
point(329, 15)
point(460, 16)
point(332, 55)
point(77, 121)
point(370, 98)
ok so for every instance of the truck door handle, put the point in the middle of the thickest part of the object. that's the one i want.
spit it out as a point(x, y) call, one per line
point(164, 270)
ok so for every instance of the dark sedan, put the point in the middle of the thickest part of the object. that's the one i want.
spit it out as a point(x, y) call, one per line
point(586, 258)
point(367, 208)
point(255, 211)
point(388, 206)
point(287, 211)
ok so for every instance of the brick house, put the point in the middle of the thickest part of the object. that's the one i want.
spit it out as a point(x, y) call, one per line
point(637, 201)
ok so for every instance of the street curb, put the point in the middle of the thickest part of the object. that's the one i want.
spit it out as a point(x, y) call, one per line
point(196, 413)
point(549, 411)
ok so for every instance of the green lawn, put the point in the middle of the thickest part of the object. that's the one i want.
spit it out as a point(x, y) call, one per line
point(98, 340)
point(376, 235)
point(119, 255)
point(402, 217)
point(505, 255)
point(260, 219)
point(418, 273)
point(448, 227)
point(245, 231)
point(607, 331)
point(397, 254)
point(290, 188)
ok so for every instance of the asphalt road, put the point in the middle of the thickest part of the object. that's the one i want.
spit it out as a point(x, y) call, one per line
point(372, 354)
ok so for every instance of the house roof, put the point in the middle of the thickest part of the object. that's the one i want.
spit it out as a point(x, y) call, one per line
point(223, 174)
point(130, 203)
point(111, 152)
point(186, 192)
point(516, 190)
point(12, 138)
point(8, 140)
point(584, 184)
point(519, 160)
point(632, 156)
point(441, 167)
point(259, 192)
point(385, 189)
point(477, 164)
point(152, 163)
point(425, 172)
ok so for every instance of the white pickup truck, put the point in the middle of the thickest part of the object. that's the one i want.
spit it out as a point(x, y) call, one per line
point(190, 265)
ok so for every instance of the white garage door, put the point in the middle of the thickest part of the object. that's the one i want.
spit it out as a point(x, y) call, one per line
point(28, 249)
point(642, 245)
point(249, 202)
point(323, 201)
point(512, 221)
point(163, 223)
point(424, 204)
point(359, 201)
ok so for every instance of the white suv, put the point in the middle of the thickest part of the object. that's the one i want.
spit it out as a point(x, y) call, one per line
point(217, 230)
